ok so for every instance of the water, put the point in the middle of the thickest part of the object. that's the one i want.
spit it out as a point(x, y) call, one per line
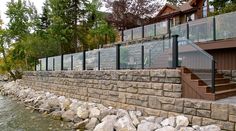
point(14, 117)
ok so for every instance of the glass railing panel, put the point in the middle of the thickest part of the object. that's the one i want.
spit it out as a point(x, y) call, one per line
point(149, 30)
point(92, 60)
point(201, 30)
point(130, 56)
point(50, 63)
point(137, 33)
point(161, 28)
point(57, 63)
point(67, 62)
point(43, 64)
point(197, 60)
point(225, 26)
point(38, 67)
point(108, 58)
point(157, 55)
point(180, 30)
point(78, 61)
point(128, 35)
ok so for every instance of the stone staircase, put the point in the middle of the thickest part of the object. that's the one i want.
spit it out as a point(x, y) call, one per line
point(194, 87)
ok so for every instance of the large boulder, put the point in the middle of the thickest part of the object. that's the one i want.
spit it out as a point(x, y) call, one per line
point(44, 107)
point(74, 106)
point(69, 115)
point(82, 112)
point(94, 112)
point(210, 128)
point(147, 126)
point(64, 103)
point(92, 123)
point(186, 129)
point(53, 103)
point(134, 118)
point(169, 122)
point(107, 124)
point(166, 128)
point(56, 115)
point(124, 124)
point(122, 112)
point(181, 121)
point(105, 112)
point(81, 124)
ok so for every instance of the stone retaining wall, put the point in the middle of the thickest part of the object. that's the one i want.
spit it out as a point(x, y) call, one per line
point(154, 92)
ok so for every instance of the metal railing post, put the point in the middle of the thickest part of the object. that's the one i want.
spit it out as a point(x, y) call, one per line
point(214, 28)
point(142, 31)
point(84, 60)
point(122, 35)
point(155, 30)
point(98, 60)
point(168, 28)
point(71, 62)
point(40, 65)
point(62, 62)
point(35, 65)
point(53, 64)
point(213, 76)
point(118, 56)
point(46, 63)
point(175, 51)
point(142, 56)
point(187, 31)
point(132, 34)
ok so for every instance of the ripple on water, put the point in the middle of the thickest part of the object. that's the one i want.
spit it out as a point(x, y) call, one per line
point(14, 117)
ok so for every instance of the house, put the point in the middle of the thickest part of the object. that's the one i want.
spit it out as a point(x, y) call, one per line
point(189, 11)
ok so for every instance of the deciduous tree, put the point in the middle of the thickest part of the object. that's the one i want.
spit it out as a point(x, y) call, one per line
point(131, 13)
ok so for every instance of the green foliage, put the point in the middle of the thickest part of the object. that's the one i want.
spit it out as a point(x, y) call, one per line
point(221, 7)
point(22, 17)
point(61, 26)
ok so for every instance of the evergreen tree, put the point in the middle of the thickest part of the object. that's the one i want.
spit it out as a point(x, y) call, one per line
point(44, 19)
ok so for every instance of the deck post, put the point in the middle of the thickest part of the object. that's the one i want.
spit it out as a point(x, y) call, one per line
point(175, 51)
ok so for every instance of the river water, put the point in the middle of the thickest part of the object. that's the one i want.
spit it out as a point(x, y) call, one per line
point(15, 117)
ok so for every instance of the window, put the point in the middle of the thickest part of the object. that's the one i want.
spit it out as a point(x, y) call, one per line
point(204, 9)
point(190, 17)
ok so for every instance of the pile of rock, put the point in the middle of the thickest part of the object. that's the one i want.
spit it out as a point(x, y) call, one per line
point(96, 117)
